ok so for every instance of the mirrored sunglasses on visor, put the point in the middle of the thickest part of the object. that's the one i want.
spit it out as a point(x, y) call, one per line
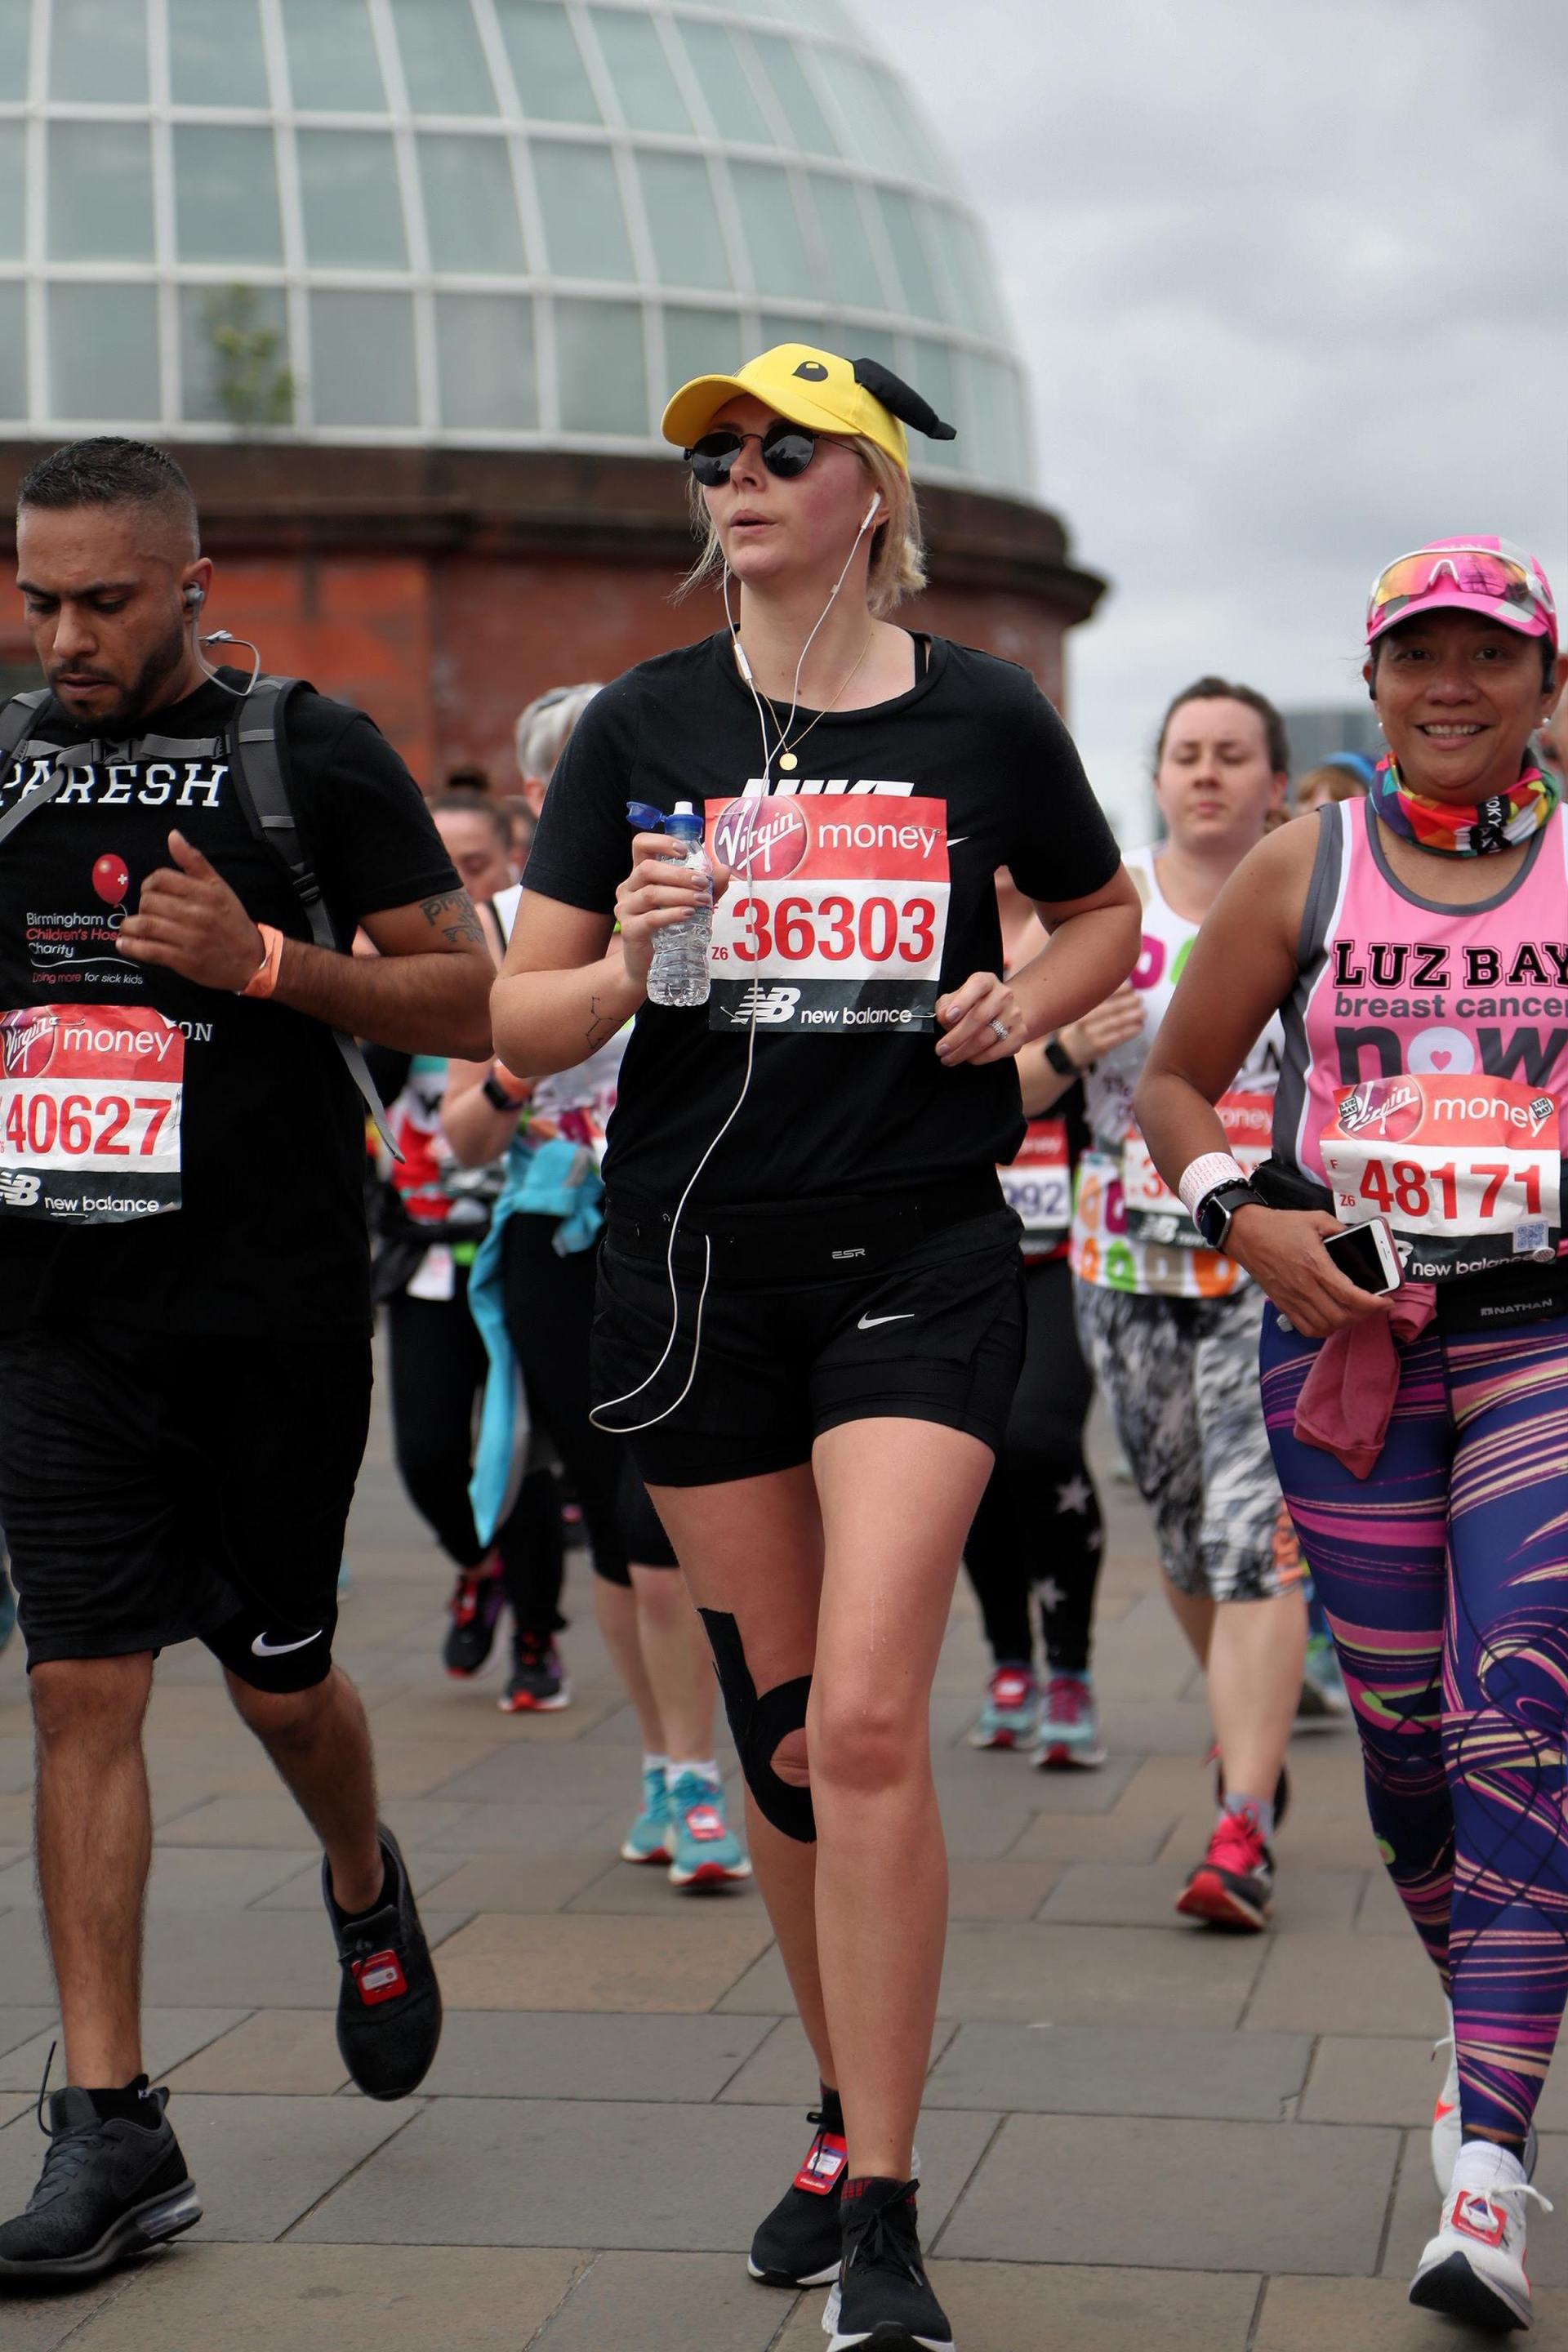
point(787, 450)
point(1464, 571)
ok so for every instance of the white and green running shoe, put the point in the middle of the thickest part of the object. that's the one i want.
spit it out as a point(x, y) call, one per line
point(707, 1852)
point(651, 1837)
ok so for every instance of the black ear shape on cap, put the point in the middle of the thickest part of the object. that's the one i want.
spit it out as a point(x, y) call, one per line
point(902, 401)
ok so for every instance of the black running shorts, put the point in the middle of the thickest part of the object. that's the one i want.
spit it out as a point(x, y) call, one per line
point(153, 1490)
point(811, 1321)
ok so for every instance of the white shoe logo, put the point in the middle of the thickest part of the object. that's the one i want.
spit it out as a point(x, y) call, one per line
point(262, 1648)
point(870, 1322)
point(766, 1006)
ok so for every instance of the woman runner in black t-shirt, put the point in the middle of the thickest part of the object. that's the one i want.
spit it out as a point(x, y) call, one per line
point(809, 1315)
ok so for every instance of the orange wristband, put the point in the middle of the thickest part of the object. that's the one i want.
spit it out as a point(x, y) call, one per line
point(263, 978)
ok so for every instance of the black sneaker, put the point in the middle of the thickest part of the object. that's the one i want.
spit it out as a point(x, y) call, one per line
point(799, 2243)
point(538, 1684)
point(107, 2191)
point(475, 1610)
point(389, 2009)
point(883, 2298)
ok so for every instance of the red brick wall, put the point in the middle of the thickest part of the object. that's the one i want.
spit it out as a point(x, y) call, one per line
point(443, 649)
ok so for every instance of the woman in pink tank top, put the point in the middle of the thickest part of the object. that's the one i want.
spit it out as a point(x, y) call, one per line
point(1417, 946)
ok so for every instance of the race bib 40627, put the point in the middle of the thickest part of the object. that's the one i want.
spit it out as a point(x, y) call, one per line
point(836, 917)
point(89, 1114)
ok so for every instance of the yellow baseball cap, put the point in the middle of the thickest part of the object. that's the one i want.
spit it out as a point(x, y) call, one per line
point(816, 389)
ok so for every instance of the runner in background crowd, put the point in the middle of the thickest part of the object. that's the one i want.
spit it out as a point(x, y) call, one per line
point(1415, 944)
point(1342, 776)
point(1038, 1526)
point(547, 1268)
point(434, 1215)
point(805, 1166)
point(1170, 1323)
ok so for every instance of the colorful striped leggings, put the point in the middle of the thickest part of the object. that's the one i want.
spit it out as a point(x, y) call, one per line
point(1445, 1576)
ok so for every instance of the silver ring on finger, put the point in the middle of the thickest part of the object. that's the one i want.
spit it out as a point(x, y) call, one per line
point(1003, 1031)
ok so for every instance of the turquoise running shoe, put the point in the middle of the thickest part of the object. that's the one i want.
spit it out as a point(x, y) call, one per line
point(707, 1851)
point(1323, 1691)
point(651, 1837)
point(1069, 1726)
point(1011, 1713)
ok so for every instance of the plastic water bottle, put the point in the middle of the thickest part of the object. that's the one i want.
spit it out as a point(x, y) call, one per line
point(679, 973)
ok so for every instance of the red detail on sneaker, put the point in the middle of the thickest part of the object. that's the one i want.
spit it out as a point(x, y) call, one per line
point(380, 1978)
point(1010, 1688)
point(704, 1824)
point(823, 2166)
point(1444, 2108)
point(1477, 2217)
point(1238, 1845)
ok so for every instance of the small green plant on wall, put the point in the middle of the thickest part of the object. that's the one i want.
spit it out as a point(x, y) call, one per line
point(252, 388)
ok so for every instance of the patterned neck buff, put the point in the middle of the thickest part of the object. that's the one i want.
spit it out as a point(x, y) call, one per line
point(1459, 829)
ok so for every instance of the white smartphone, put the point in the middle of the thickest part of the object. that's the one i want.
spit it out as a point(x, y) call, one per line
point(1366, 1255)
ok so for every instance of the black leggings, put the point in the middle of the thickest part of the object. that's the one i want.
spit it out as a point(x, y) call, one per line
point(437, 1373)
point(549, 1315)
point(1038, 1520)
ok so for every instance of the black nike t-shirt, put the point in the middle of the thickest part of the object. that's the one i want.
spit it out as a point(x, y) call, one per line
point(269, 1235)
point(841, 1112)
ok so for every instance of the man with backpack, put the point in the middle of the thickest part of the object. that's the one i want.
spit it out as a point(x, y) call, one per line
point(185, 1317)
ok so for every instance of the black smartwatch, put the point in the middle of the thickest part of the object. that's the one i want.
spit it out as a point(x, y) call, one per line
point(1061, 1060)
point(495, 1095)
point(1214, 1212)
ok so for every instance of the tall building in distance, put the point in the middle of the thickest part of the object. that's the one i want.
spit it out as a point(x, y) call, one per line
point(1318, 730)
point(406, 284)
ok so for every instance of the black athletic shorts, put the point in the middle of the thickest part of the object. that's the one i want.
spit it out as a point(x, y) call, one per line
point(156, 1489)
point(834, 1312)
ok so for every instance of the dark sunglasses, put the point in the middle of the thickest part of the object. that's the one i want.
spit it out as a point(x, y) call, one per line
point(787, 450)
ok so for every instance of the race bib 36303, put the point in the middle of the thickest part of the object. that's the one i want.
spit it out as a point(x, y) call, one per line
point(1466, 1169)
point(836, 917)
point(89, 1114)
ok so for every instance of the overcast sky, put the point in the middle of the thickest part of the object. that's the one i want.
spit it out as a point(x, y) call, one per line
point(1291, 281)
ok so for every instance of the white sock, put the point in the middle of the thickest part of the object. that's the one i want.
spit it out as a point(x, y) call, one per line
point(656, 1764)
point(1484, 2165)
point(705, 1771)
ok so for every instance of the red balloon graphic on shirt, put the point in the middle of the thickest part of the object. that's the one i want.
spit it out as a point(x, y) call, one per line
point(111, 877)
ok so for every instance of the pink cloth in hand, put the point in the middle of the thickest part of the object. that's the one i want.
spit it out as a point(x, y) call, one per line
point(1348, 1396)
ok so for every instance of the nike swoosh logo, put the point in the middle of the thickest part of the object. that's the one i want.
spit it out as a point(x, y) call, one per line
point(262, 1648)
point(955, 839)
point(870, 1322)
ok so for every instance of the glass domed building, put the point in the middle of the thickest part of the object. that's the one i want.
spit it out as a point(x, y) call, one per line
point(407, 282)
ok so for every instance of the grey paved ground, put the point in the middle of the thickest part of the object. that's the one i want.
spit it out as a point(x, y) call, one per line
point(1136, 2134)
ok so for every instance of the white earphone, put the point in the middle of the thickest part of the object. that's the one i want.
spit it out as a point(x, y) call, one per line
point(194, 597)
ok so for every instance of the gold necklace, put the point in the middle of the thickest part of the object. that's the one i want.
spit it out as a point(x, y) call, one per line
point(787, 757)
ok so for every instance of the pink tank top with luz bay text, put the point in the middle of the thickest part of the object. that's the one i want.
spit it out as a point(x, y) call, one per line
point(1425, 1062)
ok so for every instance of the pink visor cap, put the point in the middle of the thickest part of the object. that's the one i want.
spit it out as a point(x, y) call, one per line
point(1488, 576)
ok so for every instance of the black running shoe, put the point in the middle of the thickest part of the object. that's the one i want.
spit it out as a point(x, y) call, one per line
point(107, 2191)
point(883, 2298)
point(475, 1610)
point(799, 2242)
point(538, 1684)
point(389, 2008)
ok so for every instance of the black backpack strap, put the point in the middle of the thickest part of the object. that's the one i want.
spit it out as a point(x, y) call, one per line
point(260, 751)
point(17, 720)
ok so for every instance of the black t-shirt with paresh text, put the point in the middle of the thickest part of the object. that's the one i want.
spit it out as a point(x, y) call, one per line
point(866, 1107)
point(267, 1144)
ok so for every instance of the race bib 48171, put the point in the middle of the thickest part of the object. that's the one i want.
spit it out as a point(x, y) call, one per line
point(836, 915)
point(1467, 1169)
point(89, 1114)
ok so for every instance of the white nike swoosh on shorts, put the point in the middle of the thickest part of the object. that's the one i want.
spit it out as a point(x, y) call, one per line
point(262, 1648)
point(870, 1322)
point(954, 840)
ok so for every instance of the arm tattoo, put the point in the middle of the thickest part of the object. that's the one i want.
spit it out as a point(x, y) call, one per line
point(453, 915)
point(602, 1026)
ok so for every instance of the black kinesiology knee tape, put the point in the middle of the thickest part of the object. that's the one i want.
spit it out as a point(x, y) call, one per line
point(758, 1723)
